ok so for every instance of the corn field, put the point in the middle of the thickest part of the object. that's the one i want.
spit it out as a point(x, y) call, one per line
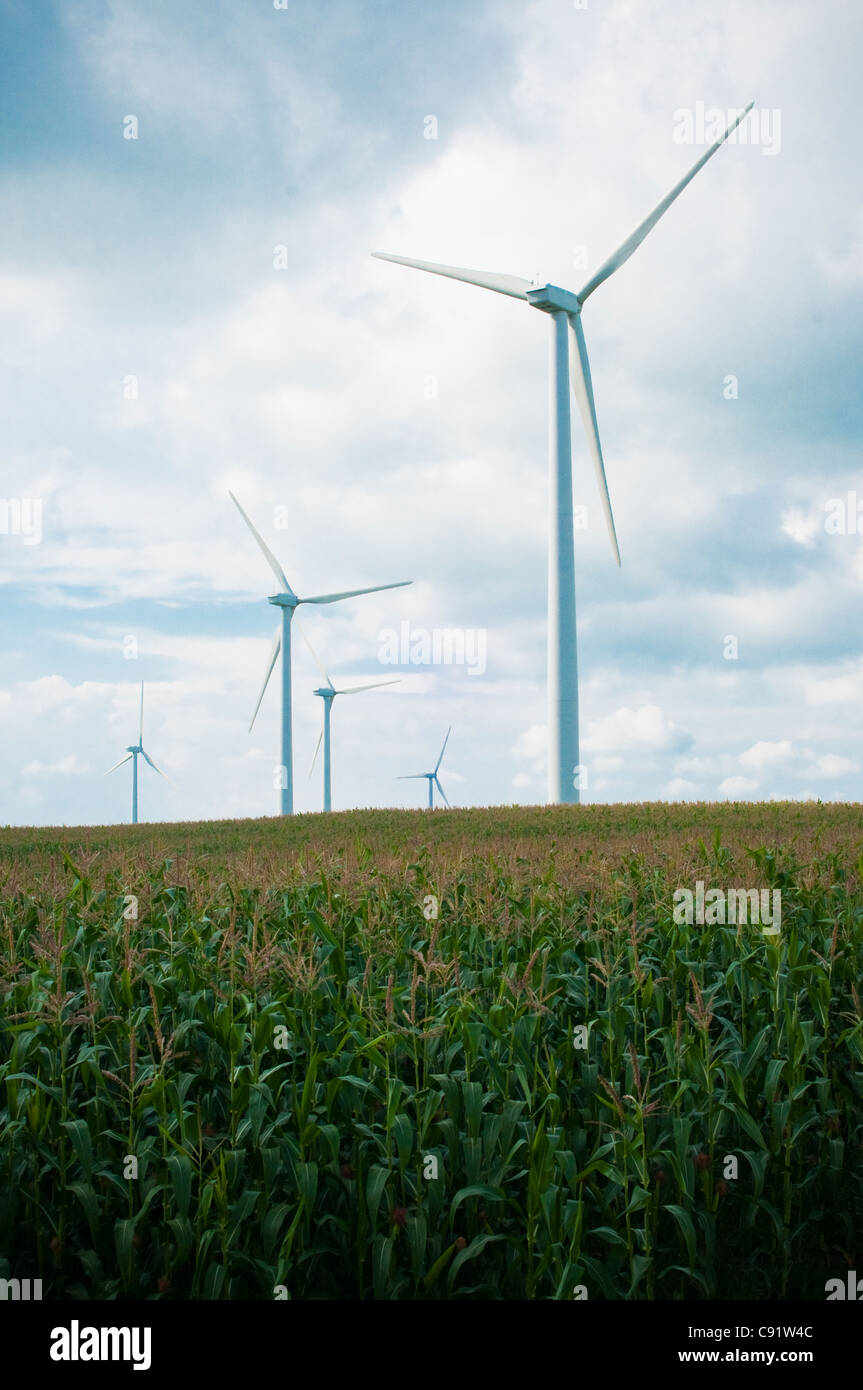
point(447, 1055)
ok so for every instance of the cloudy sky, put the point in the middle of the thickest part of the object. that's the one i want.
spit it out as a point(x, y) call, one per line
point(189, 193)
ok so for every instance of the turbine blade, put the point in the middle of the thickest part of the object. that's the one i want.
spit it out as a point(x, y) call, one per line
point(277, 643)
point(440, 789)
point(355, 689)
point(579, 370)
point(411, 776)
point(353, 593)
point(634, 240)
point(268, 554)
point(119, 764)
point(512, 285)
point(443, 750)
point(317, 750)
point(316, 658)
point(141, 719)
point(148, 759)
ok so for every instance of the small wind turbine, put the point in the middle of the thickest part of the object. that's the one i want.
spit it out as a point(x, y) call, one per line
point(433, 779)
point(288, 601)
point(328, 693)
point(564, 308)
point(132, 752)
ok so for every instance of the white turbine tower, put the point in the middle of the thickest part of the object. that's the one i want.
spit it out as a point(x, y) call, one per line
point(328, 693)
point(564, 308)
point(433, 779)
point(288, 602)
point(132, 752)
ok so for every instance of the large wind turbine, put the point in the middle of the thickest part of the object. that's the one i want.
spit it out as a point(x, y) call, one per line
point(433, 779)
point(564, 307)
point(328, 693)
point(288, 601)
point(132, 752)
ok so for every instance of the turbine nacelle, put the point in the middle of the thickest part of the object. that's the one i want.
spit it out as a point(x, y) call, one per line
point(553, 300)
point(284, 600)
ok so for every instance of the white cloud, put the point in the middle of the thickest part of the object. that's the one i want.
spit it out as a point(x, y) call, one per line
point(699, 766)
point(679, 789)
point(801, 526)
point(38, 307)
point(159, 73)
point(532, 742)
point(737, 786)
point(608, 763)
point(634, 730)
point(832, 765)
point(69, 764)
point(832, 690)
point(765, 755)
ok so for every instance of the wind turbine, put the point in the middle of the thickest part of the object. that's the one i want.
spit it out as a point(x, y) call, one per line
point(288, 602)
point(564, 307)
point(132, 752)
point(328, 693)
point(433, 779)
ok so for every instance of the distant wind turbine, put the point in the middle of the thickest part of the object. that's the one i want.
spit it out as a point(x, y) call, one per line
point(132, 752)
point(288, 601)
point(433, 779)
point(564, 308)
point(328, 693)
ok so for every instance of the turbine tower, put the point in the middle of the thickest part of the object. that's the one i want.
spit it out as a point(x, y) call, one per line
point(132, 752)
point(433, 779)
point(287, 601)
point(564, 308)
point(328, 693)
